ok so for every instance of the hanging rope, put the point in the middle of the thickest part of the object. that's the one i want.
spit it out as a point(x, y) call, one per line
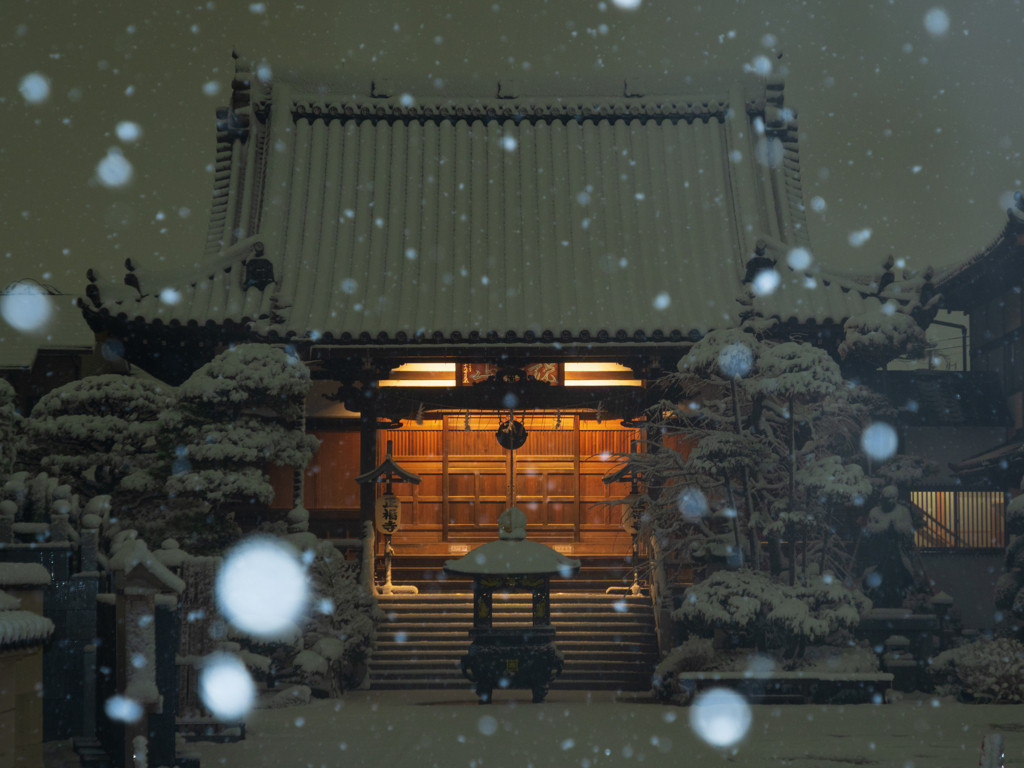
point(600, 410)
point(558, 419)
point(465, 422)
point(419, 416)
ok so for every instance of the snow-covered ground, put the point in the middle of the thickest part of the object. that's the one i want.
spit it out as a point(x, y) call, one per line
point(448, 729)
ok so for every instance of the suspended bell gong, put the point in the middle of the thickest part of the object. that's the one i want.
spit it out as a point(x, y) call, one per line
point(511, 434)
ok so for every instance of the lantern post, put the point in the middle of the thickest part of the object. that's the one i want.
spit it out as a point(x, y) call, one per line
point(388, 513)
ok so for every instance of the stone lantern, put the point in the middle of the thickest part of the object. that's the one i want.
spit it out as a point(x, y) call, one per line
point(512, 657)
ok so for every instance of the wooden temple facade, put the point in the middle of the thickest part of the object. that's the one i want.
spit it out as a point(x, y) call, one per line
point(441, 256)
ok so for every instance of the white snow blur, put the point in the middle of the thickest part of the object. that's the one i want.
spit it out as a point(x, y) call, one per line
point(761, 65)
point(735, 360)
point(720, 717)
point(799, 258)
point(127, 131)
point(123, 709)
point(765, 282)
point(627, 5)
point(818, 204)
point(487, 725)
point(859, 237)
point(261, 587)
point(226, 687)
point(114, 170)
point(35, 87)
point(509, 143)
point(692, 504)
point(212, 88)
point(170, 296)
point(936, 22)
point(662, 301)
point(25, 307)
point(879, 441)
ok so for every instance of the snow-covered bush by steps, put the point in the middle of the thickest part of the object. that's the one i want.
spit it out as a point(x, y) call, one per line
point(985, 671)
point(10, 421)
point(95, 432)
point(331, 647)
point(234, 416)
point(695, 655)
point(761, 612)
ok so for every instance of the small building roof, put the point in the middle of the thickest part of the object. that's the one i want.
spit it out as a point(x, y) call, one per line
point(23, 627)
point(23, 575)
point(357, 211)
point(63, 331)
point(133, 553)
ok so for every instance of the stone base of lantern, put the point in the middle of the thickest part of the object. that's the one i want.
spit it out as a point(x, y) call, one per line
point(512, 659)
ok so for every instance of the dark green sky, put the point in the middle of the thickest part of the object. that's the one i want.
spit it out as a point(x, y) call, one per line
point(877, 96)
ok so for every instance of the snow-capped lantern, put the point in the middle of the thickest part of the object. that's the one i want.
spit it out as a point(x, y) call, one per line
point(388, 513)
point(512, 657)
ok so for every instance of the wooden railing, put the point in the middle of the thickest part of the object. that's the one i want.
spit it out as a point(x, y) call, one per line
point(957, 519)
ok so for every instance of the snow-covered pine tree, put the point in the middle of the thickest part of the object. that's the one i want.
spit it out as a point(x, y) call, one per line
point(10, 421)
point(236, 415)
point(93, 433)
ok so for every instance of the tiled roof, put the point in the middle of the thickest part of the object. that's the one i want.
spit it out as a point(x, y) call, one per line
point(555, 218)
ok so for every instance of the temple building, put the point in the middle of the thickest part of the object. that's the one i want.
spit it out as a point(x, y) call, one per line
point(443, 254)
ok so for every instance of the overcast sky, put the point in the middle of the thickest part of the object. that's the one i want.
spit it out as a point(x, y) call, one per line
point(911, 134)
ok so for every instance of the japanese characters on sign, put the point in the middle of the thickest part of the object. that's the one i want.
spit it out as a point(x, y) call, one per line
point(388, 511)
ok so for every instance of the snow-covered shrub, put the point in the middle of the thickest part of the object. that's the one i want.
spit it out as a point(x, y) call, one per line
point(329, 649)
point(695, 655)
point(875, 338)
point(10, 421)
point(758, 611)
point(986, 671)
point(94, 432)
point(32, 498)
point(233, 417)
point(343, 631)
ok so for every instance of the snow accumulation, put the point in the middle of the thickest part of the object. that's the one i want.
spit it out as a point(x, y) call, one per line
point(9, 602)
point(23, 575)
point(510, 556)
point(23, 627)
point(595, 728)
point(135, 552)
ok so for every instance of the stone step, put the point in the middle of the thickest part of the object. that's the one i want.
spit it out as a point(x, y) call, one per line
point(567, 647)
point(573, 657)
point(520, 609)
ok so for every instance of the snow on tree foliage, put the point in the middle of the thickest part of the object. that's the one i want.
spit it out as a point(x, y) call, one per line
point(10, 421)
point(235, 416)
point(94, 433)
point(985, 671)
point(875, 338)
point(767, 614)
point(329, 649)
point(770, 433)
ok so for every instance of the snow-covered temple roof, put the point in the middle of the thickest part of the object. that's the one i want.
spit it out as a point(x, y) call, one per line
point(348, 209)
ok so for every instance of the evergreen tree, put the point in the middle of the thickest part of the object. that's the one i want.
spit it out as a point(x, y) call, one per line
point(234, 416)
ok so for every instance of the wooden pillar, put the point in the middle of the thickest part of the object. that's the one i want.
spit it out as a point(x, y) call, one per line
point(444, 479)
point(367, 458)
point(577, 507)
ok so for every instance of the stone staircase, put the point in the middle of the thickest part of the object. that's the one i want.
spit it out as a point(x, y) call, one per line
point(609, 642)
